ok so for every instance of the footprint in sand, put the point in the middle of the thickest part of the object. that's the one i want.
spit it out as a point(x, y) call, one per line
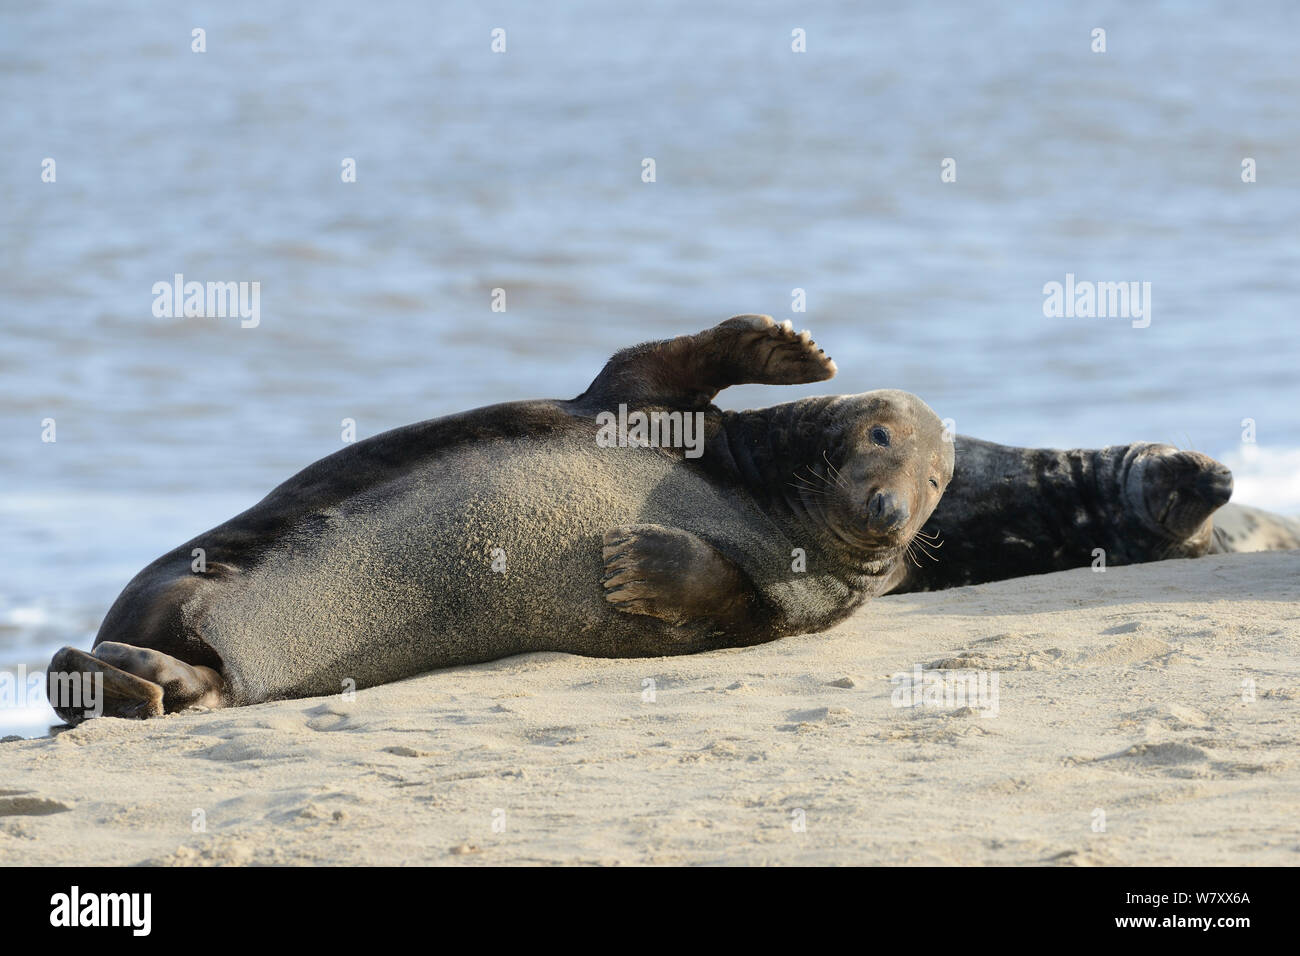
point(402, 751)
point(1135, 650)
point(1156, 756)
point(23, 803)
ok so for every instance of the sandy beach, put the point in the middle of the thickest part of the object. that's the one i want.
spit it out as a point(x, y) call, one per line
point(1144, 715)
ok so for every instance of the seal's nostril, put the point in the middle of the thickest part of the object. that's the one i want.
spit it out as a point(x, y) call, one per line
point(876, 505)
point(885, 512)
point(1216, 487)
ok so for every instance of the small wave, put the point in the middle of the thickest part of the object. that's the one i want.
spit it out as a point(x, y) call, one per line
point(1265, 477)
point(27, 721)
point(24, 617)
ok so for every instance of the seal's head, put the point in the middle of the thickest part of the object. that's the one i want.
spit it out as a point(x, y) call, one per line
point(1174, 494)
point(894, 460)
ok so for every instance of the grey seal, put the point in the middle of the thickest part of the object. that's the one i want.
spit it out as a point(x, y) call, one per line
point(515, 528)
point(1011, 512)
point(1243, 528)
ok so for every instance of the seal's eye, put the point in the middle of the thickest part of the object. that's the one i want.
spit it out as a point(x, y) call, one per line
point(934, 484)
point(880, 436)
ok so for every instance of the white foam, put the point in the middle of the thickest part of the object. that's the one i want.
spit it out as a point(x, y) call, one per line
point(24, 616)
point(27, 720)
point(1265, 477)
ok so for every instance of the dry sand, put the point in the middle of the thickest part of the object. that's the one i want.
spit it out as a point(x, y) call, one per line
point(1126, 693)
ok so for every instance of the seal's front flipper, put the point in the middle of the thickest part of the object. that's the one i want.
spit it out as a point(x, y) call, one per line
point(81, 686)
point(688, 371)
point(677, 577)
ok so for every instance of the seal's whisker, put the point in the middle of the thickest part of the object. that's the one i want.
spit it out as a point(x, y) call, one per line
point(813, 479)
point(809, 490)
point(818, 476)
point(808, 486)
point(923, 552)
point(920, 545)
point(834, 471)
point(928, 555)
point(919, 553)
point(824, 476)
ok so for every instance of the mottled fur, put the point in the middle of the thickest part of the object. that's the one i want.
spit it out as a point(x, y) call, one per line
point(1241, 528)
point(1011, 511)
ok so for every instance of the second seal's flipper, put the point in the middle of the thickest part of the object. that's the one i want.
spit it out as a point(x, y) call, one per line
point(688, 371)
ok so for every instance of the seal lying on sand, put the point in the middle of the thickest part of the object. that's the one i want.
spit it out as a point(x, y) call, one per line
point(1241, 528)
point(516, 528)
point(1016, 511)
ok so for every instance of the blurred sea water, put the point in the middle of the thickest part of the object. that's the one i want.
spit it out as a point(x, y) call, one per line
point(522, 171)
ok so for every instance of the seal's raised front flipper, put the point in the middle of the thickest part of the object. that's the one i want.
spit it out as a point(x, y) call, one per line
point(678, 577)
point(688, 371)
point(121, 680)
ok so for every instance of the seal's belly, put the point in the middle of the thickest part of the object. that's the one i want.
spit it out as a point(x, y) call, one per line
point(490, 550)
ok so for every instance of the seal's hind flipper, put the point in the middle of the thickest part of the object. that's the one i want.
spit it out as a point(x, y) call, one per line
point(184, 685)
point(122, 680)
point(688, 371)
point(81, 686)
point(675, 576)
